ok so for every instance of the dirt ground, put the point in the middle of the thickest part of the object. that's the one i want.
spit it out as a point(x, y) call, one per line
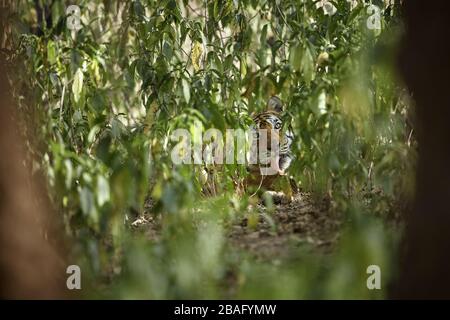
point(298, 222)
point(295, 223)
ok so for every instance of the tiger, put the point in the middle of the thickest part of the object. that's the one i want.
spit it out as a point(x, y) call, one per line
point(270, 120)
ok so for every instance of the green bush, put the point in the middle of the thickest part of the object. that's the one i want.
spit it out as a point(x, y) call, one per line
point(104, 100)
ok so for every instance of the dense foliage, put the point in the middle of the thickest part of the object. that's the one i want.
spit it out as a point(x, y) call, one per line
point(104, 99)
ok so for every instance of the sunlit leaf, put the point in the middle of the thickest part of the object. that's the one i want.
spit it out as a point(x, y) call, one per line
point(77, 85)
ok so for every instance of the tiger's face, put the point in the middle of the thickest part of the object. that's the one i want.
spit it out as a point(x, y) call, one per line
point(275, 151)
point(270, 120)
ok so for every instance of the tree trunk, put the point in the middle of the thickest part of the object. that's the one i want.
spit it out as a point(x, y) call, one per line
point(31, 267)
point(424, 63)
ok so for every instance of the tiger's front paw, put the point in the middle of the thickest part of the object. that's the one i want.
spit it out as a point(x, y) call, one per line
point(276, 197)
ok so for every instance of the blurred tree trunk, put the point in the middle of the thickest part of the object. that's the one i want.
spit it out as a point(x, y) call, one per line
point(31, 263)
point(425, 65)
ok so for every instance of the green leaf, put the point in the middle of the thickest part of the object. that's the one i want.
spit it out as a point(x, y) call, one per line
point(167, 50)
point(186, 90)
point(216, 10)
point(138, 9)
point(51, 52)
point(77, 85)
point(86, 201)
point(263, 37)
point(103, 194)
point(69, 173)
point(307, 66)
point(116, 129)
point(296, 57)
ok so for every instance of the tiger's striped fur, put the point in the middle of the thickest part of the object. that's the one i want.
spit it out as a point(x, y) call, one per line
point(270, 120)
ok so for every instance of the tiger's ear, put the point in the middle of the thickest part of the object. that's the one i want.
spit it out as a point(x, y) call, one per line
point(275, 104)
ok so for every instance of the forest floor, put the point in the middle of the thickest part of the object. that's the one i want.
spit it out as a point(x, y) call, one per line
point(298, 222)
point(293, 224)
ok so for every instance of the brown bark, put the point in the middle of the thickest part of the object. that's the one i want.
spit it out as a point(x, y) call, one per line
point(31, 267)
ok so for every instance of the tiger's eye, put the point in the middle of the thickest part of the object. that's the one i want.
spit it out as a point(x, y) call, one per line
point(278, 126)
